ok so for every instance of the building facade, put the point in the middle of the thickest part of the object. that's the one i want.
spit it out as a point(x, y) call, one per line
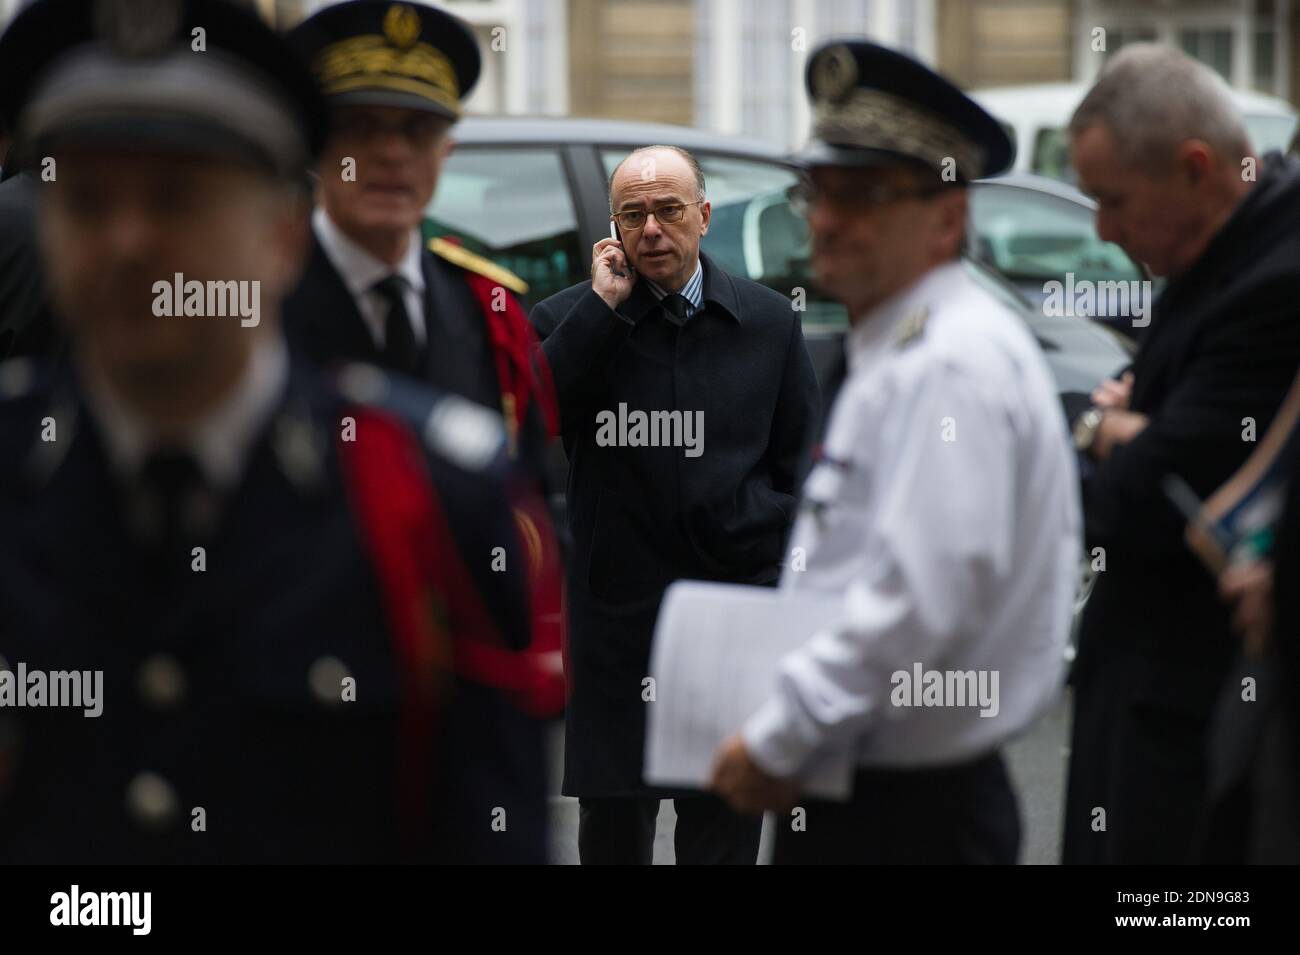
point(1007, 42)
point(736, 66)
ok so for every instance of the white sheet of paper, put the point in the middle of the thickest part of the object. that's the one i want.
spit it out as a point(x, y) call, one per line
point(715, 659)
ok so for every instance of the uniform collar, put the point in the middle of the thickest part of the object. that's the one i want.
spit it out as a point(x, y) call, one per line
point(359, 269)
point(221, 441)
point(879, 328)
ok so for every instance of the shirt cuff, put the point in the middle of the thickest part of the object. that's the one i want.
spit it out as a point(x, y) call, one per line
point(776, 741)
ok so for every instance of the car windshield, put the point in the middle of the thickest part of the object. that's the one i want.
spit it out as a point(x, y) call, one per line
point(1268, 132)
point(512, 205)
point(1079, 351)
point(1029, 235)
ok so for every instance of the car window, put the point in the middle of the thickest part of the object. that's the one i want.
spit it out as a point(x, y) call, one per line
point(1079, 352)
point(1052, 155)
point(754, 233)
point(513, 206)
point(1032, 236)
point(1268, 133)
point(1052, 145)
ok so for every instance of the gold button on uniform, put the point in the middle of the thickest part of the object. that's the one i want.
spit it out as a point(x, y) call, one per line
point(325, 677)
point(161, 681)
point(151, 800)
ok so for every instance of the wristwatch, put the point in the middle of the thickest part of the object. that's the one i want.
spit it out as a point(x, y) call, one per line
point(1085, 428)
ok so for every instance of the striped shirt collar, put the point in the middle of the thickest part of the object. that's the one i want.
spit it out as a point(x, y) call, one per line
point(692, 291)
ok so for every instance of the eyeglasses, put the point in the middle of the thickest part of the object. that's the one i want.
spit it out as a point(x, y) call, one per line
point(418, 129)
point(802, 196)
point(633, 219)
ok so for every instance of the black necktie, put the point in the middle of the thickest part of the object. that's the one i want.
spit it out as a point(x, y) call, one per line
point(676, 308)
point(173, 507)
point(399, 352)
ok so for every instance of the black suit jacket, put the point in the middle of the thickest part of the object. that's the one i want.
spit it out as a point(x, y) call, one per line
point(642, 517)
point(1155, 645)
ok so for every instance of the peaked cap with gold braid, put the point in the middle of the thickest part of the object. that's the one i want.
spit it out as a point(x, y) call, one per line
point(381, 53)
point(875, 106)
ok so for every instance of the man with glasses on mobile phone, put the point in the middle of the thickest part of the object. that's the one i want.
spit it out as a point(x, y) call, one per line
point(942, 514)
point(686, 399)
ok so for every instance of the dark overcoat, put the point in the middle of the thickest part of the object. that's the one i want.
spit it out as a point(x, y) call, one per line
point(1155, 644)
point(644, 516)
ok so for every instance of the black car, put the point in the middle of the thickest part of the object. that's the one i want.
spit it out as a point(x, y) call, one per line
point(1037, 231)
point(532, 195)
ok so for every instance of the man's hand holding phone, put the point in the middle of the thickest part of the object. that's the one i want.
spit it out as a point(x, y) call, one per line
point(611, 273)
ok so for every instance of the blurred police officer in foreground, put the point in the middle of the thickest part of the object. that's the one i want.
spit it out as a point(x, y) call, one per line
point(394, 75)
point(943, 507)
point(273, 578)
point(661, 328)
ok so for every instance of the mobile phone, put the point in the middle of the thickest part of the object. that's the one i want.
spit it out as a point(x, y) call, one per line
point(614, 234)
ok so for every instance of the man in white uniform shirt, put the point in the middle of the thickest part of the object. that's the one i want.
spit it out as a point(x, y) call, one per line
point(942, 507)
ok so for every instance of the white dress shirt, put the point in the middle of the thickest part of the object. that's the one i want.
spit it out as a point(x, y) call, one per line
point(360, 271)
point(944, 513)
point(221, 442)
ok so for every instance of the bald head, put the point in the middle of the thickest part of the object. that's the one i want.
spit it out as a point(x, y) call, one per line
point(649, 162)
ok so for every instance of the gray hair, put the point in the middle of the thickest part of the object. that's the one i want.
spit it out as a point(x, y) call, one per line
point(1154, 98)
point(691, 161)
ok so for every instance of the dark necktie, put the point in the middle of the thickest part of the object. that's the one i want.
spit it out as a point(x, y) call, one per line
point(399, 352)
point(676, 308)
point(174, 509)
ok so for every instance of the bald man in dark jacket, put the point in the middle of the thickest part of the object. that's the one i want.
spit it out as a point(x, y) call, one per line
point(724, 357)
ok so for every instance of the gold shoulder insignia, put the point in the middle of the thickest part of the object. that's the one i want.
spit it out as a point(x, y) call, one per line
point(460, 256)
point(401, 26)
point(913, 326)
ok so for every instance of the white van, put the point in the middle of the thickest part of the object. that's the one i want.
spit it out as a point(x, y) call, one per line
point(1037, 116)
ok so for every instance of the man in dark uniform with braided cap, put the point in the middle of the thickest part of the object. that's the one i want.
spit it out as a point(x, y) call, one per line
point(235, 598)
point(394, 76)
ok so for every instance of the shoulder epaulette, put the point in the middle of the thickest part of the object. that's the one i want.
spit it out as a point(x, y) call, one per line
point(463, 258)
point(466, 434)
point(913, 326)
